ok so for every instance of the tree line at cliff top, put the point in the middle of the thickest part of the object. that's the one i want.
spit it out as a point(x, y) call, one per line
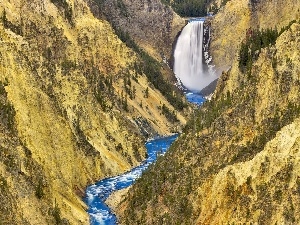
point(193, 8)
point(256, 40)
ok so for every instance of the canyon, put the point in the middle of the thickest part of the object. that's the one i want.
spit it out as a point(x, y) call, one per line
point(237, 159)
point(84, 84)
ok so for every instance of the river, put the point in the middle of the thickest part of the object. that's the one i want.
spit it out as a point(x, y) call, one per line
point(96, 194)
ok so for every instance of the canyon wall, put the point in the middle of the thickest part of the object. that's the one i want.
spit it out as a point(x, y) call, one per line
point(74, 109)
point(230, 25)
point(152, 24)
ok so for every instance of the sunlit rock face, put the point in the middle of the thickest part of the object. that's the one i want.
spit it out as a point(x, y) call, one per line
point(63, 123)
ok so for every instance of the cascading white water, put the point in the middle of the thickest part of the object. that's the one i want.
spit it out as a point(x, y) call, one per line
point(188, 65)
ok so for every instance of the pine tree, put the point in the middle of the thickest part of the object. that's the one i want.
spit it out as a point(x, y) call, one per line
point(146, 93)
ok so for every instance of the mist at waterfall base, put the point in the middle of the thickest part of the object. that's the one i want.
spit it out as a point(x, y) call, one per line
point(189, 68)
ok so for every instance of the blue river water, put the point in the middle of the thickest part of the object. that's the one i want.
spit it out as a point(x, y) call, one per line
point(194, 98)
point(96, 194)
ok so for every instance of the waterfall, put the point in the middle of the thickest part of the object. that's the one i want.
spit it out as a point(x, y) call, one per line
point(188, 65)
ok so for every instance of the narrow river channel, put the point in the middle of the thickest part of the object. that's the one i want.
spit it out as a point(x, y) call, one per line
point(97, 193)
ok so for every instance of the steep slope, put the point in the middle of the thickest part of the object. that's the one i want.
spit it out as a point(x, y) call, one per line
point(152, 24)
point(237, 161)
point(73, 109)
point(231, 23)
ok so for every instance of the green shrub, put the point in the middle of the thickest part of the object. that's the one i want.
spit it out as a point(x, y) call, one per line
point(67, 9)
point(171, 116)
point(56, 214)
point(255, 40)
point(39, 192)
point(250, 49)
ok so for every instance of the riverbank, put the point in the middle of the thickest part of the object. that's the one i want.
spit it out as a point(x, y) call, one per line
point(114, 200)
point(101, 210)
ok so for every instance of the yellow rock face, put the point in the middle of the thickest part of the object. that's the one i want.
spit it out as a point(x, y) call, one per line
point(228, 30)
point(52, 59)
point(262, 190)
point(222, 198)
point(230, 25)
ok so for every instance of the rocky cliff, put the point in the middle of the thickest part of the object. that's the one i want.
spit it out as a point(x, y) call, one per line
point(237, 160)
point(230, 24)
point(152, 24)
point(75, 104)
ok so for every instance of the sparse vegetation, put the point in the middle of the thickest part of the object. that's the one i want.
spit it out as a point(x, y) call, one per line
point(7, 111)
point(66, 9)
point(67, 66)
point(130, 90)
point(56, 214)
point(82, 141)
point(170, 115)
point(251, 47)
point(3, 183)
point(146, 95)
point(223, 3)
point(9, 25)
point(254, 41)
point(203, 119)
point(213, 8)
point(151, 68)
point(6, 206)
point(39, 191)
point(189, 8)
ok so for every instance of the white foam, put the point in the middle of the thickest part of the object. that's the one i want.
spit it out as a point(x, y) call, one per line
point(100, 217)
